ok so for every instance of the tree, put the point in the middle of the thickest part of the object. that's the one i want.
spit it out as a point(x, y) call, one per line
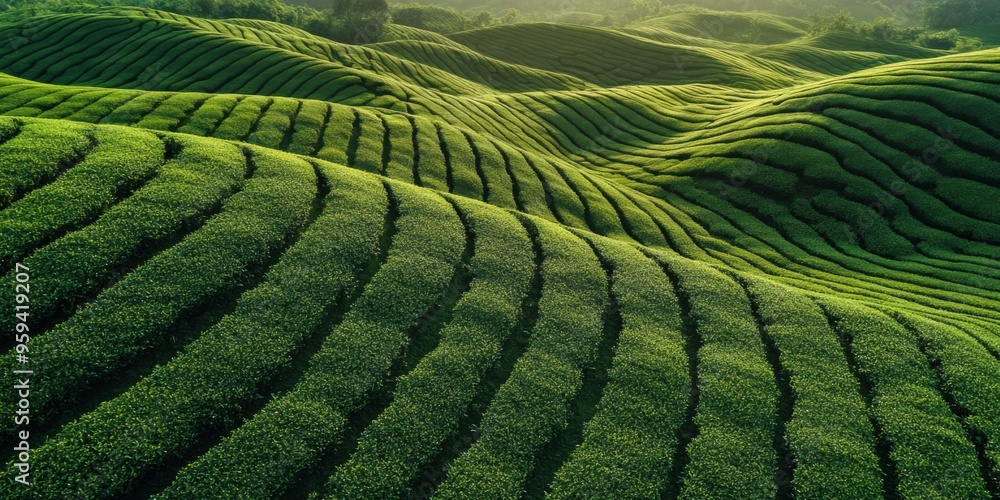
point(641, 9)
point(227, 9)
point(510, 16)
point(409, 16)
point(362, 7)
point(260, 9)
point(205, 7)
point(841, 21)
point(957, 13)
point(480, 18)
point(941, 40)
point(356, 21)
point(887, 30)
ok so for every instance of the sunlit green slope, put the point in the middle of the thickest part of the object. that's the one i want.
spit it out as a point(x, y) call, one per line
point(644, 262)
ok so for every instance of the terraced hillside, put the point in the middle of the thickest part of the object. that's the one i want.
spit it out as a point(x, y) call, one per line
point(648, 262)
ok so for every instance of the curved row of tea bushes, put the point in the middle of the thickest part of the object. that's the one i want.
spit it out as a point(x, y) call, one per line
point(122, 160)
point(829, 435)
point(39, 152)
point(628, 446)
point(970, 379)
point(205, 386)
point(732, 454)
point(931, 455)
point(544, 380)
point(429, 401)
point(135, 313)
point(263, 457)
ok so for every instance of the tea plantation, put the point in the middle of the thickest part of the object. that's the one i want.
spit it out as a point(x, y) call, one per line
point(524, 261)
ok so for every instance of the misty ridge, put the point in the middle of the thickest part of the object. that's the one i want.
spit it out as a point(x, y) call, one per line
point(939, 24)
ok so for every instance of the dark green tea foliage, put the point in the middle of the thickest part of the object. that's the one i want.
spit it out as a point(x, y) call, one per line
point(704, 255)
point(951, 13)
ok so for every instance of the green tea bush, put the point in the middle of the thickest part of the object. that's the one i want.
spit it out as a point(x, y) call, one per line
point(429, 401)
point(400, 143)
point(544, 380)
point(603, 218)
point(932, 455)
point(270, 131)
point(234, 357)
point(532, 195)
point(290, 434)
point(96, 111)
point(732, 454)
point(169, 114)
point(39, 153)
point(253, 223)
point(74, 104)
point(829, 434)
point(970, 377)
point(491, 163)
point(121, 161)
point(430, 161)
point(209, 115)
point(567, 204)
point(462, 175)
point(136, 109)
point(627, 448)
point(75, 266)
point(308, 128)
point(368, 141)
point(337, 135)
point(241, 119)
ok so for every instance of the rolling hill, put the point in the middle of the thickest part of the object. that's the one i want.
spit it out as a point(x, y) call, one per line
point(528, 260)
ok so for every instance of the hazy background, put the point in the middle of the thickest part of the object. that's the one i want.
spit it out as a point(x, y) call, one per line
point(939, 24)
point(907, 12)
